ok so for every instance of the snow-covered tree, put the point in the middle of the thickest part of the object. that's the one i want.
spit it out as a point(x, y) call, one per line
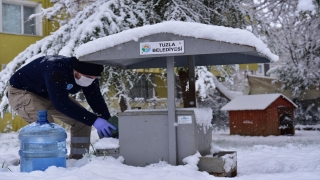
point(93, 20)
point(300, 48)
point(227, 13)
point(291, 28)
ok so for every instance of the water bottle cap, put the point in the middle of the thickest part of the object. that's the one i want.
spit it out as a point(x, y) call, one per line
point(42, 116)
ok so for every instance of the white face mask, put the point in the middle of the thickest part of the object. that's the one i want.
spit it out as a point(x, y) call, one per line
point(84, 81)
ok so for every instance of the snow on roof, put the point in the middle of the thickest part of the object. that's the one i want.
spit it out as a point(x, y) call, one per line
point(189, 29)
point(253, 102)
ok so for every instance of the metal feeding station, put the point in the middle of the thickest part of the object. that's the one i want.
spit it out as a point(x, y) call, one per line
point(147, 136)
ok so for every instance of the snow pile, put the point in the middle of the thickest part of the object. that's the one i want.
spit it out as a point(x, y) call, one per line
point(8, 159)
point(189, 29)
point(214, 149)
point(192, 161)
point(274, 157)
point(107, 143)
point(230, 162)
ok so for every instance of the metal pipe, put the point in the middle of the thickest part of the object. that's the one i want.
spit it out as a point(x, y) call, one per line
point(171, 112)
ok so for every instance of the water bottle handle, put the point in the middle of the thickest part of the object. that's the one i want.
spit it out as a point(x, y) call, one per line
point(42, 117)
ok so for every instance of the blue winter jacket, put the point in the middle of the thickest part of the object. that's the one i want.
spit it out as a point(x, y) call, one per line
point(52, 77)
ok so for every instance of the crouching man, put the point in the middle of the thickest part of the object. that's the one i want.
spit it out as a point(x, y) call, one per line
point(45, 84)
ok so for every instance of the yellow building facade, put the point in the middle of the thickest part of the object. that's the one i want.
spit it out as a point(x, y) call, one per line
point(16, 34)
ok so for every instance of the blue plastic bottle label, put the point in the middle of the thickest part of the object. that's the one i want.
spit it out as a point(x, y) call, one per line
point(43, 163)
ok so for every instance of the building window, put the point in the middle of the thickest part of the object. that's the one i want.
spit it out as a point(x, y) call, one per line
point(259, 69)
point(15, 14)
point(143, 88)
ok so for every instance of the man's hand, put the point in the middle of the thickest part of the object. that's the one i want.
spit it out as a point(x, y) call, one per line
point(103, 127)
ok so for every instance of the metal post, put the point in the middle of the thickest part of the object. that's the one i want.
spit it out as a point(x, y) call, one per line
point(192, 84)
point(171, 112)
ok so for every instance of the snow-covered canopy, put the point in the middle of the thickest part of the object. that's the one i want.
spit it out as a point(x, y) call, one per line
point(187, 29)
point(253, 102)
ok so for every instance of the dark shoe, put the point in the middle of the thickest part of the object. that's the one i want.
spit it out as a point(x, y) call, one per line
point(75, 156)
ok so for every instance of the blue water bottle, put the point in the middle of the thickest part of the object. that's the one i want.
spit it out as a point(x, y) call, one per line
point(42, 144)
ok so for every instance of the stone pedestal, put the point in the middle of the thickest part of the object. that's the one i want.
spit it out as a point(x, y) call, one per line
point(221, 164)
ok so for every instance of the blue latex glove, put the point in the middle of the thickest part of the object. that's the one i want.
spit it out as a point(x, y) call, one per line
point(103, 127)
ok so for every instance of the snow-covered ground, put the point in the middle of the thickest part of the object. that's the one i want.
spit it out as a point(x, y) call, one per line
point(274, 157)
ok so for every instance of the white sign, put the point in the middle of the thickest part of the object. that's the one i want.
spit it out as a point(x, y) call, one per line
point(161, 47)
point(184, 119)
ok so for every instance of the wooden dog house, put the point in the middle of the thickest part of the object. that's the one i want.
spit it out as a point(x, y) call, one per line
point(261, 115)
